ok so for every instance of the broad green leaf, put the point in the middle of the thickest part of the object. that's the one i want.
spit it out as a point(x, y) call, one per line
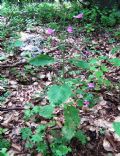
point(46, 111)
point(116, 126)
point(81, 137)
point(72, 121)
point(59, 94)
point(115, 61)
point(80, 63)
point(68, 132)
point(41, 60)
point(71, 115)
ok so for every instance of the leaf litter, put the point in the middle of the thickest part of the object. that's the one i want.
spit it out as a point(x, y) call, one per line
point(96, 122)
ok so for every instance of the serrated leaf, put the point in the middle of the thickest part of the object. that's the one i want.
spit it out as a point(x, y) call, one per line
point(41, 60)
point(71, 115)
point(99, 73)
point(40, 128)
point(62, 150)
point(36, 138)
point(81, 137)
point(26, 133)
point(116, 126)
point(80, 63)
point(115, 61)
point(46, 111)
point(59, 94)
point(68, 132)
point(72, 121)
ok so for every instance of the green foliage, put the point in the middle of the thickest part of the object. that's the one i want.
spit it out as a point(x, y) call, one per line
point(80, 63)
point(26, 133)
point(115, 62)
point(49, 109)
point(46, 138)
point(61, 150)
point(41, 60)
point(3, 152)
point(60, 94)
point(4, 143)
point(116, 126)
point(81, 137)
point(72, 121)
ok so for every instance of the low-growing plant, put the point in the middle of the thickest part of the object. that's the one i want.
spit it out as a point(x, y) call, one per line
point(69, 95)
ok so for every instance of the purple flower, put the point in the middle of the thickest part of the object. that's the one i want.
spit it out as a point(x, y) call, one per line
point(91, 85)
point(87, 53)
point(86, 102)
point(49, 31)
point(79, 16)
point(70, 29)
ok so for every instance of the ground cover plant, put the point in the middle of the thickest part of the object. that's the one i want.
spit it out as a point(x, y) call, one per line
point(59, 80)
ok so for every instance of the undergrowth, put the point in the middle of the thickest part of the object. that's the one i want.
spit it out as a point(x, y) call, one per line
point(68, 95)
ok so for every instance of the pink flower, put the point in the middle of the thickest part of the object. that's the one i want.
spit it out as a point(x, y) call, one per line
point(87, 53)
point(91, 85)
point(79, 16)
point(49, 31)
point(70, 29)
point(86, 102)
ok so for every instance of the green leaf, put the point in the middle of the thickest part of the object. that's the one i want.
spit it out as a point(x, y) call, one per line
point(3, 152)
point(42, 147)
point(36, 138)
point(26, 133)
point(18, 43)
point(99, 73)
point(46, 111)
point(80, 103)
point(71, 115)
point(81, 137)
point(115, 61)
point(4, 143)
point(116, 126)
point(41, 60)
point(62, 150)
point(40, 128)
point(72, 121)
point(104, 68)
point(68, 132)
point(80, 63)
point(59, 94)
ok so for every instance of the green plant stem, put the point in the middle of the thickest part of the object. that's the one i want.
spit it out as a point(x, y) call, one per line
point(63, 65)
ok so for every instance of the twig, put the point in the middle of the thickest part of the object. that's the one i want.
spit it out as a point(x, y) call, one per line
point(13, 65)
point(48, 143)
point(52, 50)
point(11, 109)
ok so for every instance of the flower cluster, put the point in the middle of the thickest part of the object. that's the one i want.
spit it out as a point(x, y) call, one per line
point(50, 31)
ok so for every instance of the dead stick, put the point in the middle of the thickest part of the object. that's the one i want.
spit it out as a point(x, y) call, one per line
point(10, 109)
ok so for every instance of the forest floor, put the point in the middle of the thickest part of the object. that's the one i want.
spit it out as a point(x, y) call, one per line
point(21, 84)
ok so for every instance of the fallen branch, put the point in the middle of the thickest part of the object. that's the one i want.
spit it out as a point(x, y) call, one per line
point(11, 109)
point(13, 65)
